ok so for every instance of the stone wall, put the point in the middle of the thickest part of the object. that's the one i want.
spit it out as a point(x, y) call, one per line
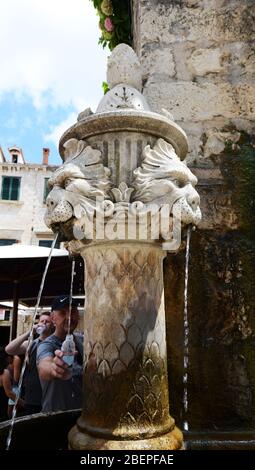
point(198, 59)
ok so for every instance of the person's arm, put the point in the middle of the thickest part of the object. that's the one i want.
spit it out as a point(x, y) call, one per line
point(18, 345)
point(7, 384)
point(50, 368)
point(17, 364)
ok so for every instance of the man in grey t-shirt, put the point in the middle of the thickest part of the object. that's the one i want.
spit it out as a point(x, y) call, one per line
point(33, 392)
point(59, 390)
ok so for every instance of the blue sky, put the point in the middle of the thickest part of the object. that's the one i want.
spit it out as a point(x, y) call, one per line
point(51, 69)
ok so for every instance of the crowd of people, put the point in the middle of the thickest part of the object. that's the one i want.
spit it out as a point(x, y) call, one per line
point(50, 383)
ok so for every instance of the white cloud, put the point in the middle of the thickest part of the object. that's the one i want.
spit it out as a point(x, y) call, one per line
point(48, 48)
point(58, 131)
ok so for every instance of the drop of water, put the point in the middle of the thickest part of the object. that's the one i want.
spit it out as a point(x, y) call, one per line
point(185, 426)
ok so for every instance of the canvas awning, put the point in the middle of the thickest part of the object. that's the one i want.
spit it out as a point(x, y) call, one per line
point(21, 270)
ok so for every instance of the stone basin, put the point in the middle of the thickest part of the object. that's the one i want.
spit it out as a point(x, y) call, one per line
point(41, 431)
point(49, 431)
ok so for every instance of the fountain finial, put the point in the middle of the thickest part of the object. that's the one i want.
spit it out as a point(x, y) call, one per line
point(124, 67)
point(124, 78)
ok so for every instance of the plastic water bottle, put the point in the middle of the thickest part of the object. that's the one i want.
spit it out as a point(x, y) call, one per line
point(40, 329)
point(68, 348)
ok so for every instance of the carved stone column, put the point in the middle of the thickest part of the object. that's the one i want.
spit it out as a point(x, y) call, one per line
point(125, 378)
point(122, 165)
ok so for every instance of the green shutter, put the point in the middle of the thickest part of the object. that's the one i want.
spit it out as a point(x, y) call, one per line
point(5, 241)
point(10, 188)
point(46, 189)
point(15, 189)
point(5, 187)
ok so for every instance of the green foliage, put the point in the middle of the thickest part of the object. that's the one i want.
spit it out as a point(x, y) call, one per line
point(105, 87)
point(114, 22)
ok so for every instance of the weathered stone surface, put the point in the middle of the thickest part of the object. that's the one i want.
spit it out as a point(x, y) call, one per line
point(199, 132)
point(83, 190)
point(109, 175)
point(124, 67)
point(218, 212)
point(221, 341)
point(79, 440)
point(211, 45)
point(125, 378)
point(216, 141)
point(212, 95)
point(159, 61)
point(171, 22)
point(204, 61)
point(225, 61)
point(221, 300)
point(133, 337)
point(238, 61)
point(193, 102)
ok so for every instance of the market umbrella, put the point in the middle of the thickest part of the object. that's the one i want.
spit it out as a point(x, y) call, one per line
point(21, 270)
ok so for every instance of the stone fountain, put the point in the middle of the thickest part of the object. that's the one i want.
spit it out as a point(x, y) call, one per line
point(117, 200)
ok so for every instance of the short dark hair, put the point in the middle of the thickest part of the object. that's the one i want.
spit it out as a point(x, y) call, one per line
point(48, 313)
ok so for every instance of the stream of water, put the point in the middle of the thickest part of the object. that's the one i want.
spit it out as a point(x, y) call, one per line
point(186, 335)
point(71, 294)
point(30, 339)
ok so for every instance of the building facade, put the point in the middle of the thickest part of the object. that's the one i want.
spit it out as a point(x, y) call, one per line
point(23, 191)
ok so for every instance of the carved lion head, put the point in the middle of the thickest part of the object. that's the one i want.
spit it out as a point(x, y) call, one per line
point(76, 184)
point(163, 178)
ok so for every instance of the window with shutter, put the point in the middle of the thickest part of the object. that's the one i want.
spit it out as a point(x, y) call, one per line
point(10, 188)
point(7, 241)
point(46, 189)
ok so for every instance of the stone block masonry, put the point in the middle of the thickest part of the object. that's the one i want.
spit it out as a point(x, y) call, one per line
point(198, 60)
